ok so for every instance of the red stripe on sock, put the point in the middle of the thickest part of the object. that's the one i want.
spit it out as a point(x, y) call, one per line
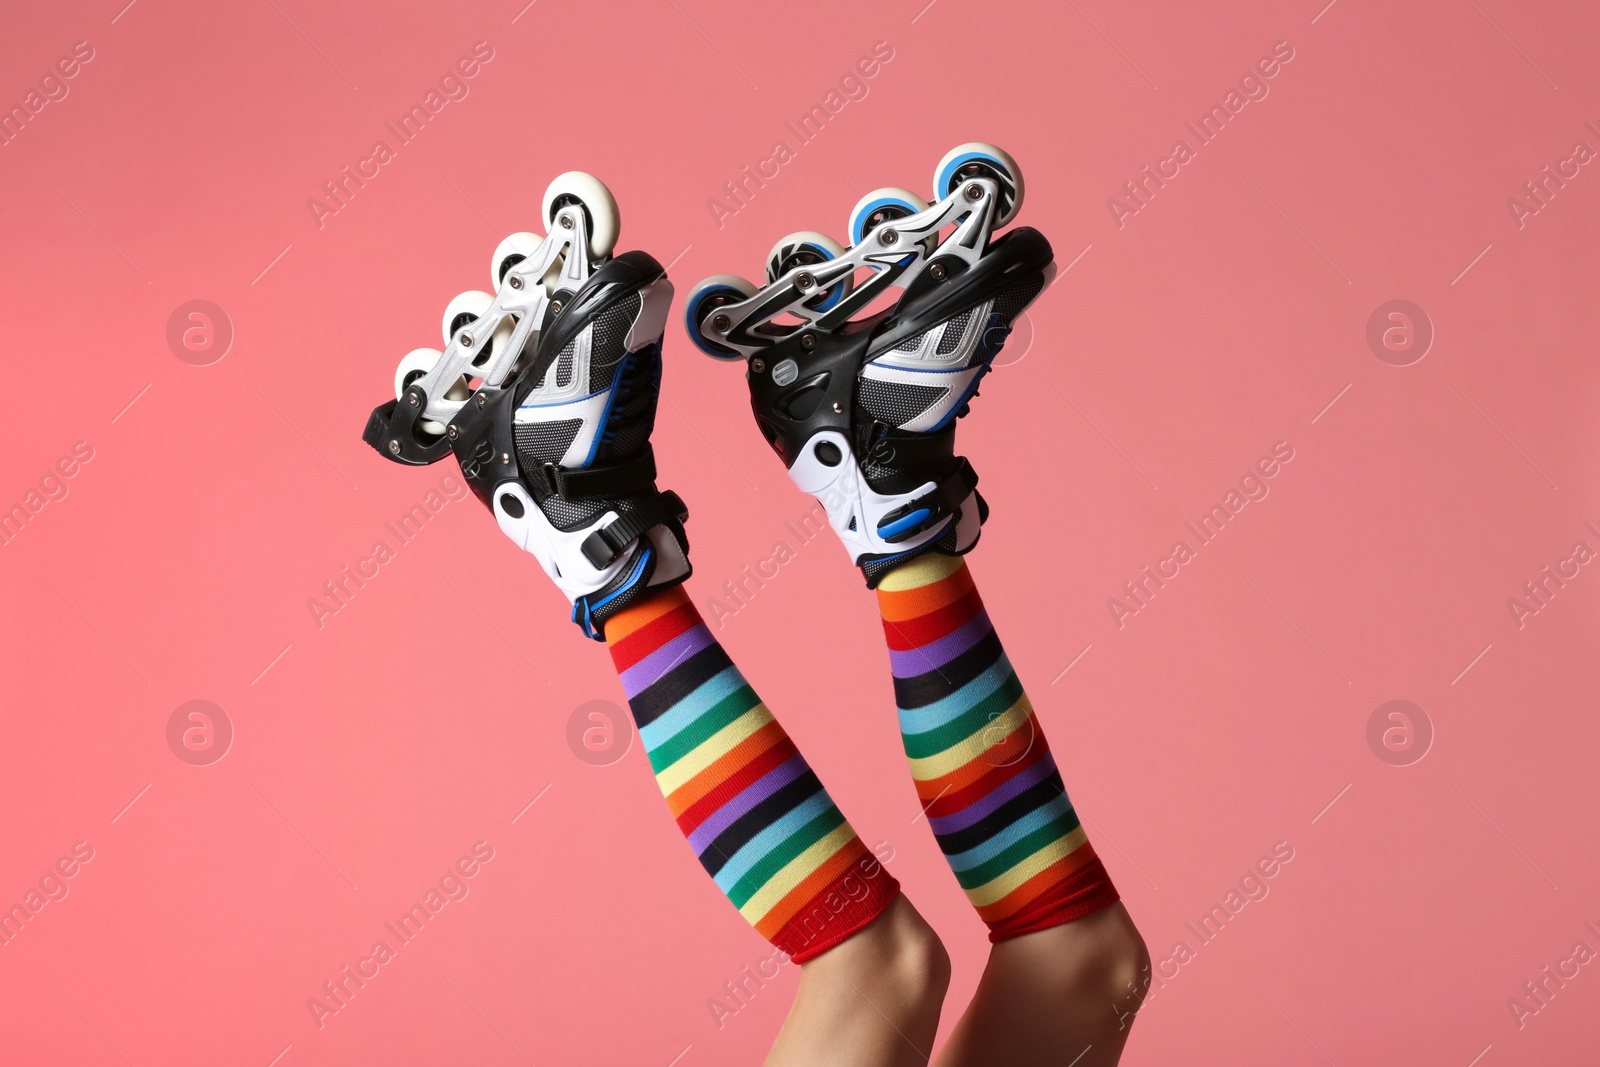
point(861, 892)
point(734, 784)
point(1059, 899)
point(955, 800)
point(907, 634)
point(652, 635)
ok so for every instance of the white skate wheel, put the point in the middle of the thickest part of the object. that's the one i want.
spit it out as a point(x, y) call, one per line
point(880, 206)
point(599, 209)
point(807, 248)
point(510, 252)
point(975, 159)
point(466, 309)
point(702, 302)
point(418, 362)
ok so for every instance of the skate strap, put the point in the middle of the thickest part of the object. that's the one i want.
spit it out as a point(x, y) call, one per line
point(622, 479)
point(923, 512)
point(909, 451)
point(605, 544)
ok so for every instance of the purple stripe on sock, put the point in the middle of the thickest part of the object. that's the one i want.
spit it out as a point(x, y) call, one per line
point(650, 669)
point(970, 814)
point(924, 658)
point(754, 793)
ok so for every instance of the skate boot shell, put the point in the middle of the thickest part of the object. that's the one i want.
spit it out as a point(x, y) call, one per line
point(861, 405)
point(546, 396)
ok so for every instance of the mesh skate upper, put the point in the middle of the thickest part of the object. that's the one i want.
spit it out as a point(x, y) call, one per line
point(899, 402)
point(633, 379)
point(541, 442)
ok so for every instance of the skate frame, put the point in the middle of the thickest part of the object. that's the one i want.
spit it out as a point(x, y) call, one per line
point(891, 252)
point(523, 297)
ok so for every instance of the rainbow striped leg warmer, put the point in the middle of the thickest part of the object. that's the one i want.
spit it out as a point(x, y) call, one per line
point(983, 771)
point(755, 814)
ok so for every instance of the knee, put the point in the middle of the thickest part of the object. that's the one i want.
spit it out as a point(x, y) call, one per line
point(1128, 969)
point(1101, 957)
point(1121, 974)
point(899, 948)
point(919, 957)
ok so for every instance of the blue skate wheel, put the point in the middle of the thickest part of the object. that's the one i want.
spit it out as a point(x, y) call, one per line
point(699, 312)
point(804, 249)
point(976, 159)
point(881, 206)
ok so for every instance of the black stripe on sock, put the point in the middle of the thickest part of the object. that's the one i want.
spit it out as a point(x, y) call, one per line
point(757, 819)
point(1035, 796)
point(936, 684)
point(665, 692)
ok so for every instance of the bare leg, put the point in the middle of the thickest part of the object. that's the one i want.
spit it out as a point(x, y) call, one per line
point(1062, 996)
point(872, 1000)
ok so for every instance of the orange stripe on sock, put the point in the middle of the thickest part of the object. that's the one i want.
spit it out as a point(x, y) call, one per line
point(898, 605)
point(1026, 737)
point(808, 890)
point(724, 767)
point(1083, 892)
point(1025, 894)
point(643, 613)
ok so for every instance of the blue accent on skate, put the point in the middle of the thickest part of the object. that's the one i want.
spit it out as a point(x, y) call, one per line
point(586, 623)
point(942, 183)
point(561, 403)
point(605, 412)
point(901, 525)
point(692, 316)
point(838, 289)
point(913, 551)
point(986, 355)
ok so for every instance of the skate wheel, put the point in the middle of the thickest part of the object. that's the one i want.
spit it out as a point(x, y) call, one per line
point(702, 303)
point(417, 363)
point(468, 308)
point(881, 206)
point(510, 252)
point(806, 248)
point(976, 159)
point(599, 209)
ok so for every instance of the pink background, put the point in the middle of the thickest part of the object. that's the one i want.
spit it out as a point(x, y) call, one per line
point(1227, 715)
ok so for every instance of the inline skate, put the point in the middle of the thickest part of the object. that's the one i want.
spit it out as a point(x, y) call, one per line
point(860, 401)
point(545, 393)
